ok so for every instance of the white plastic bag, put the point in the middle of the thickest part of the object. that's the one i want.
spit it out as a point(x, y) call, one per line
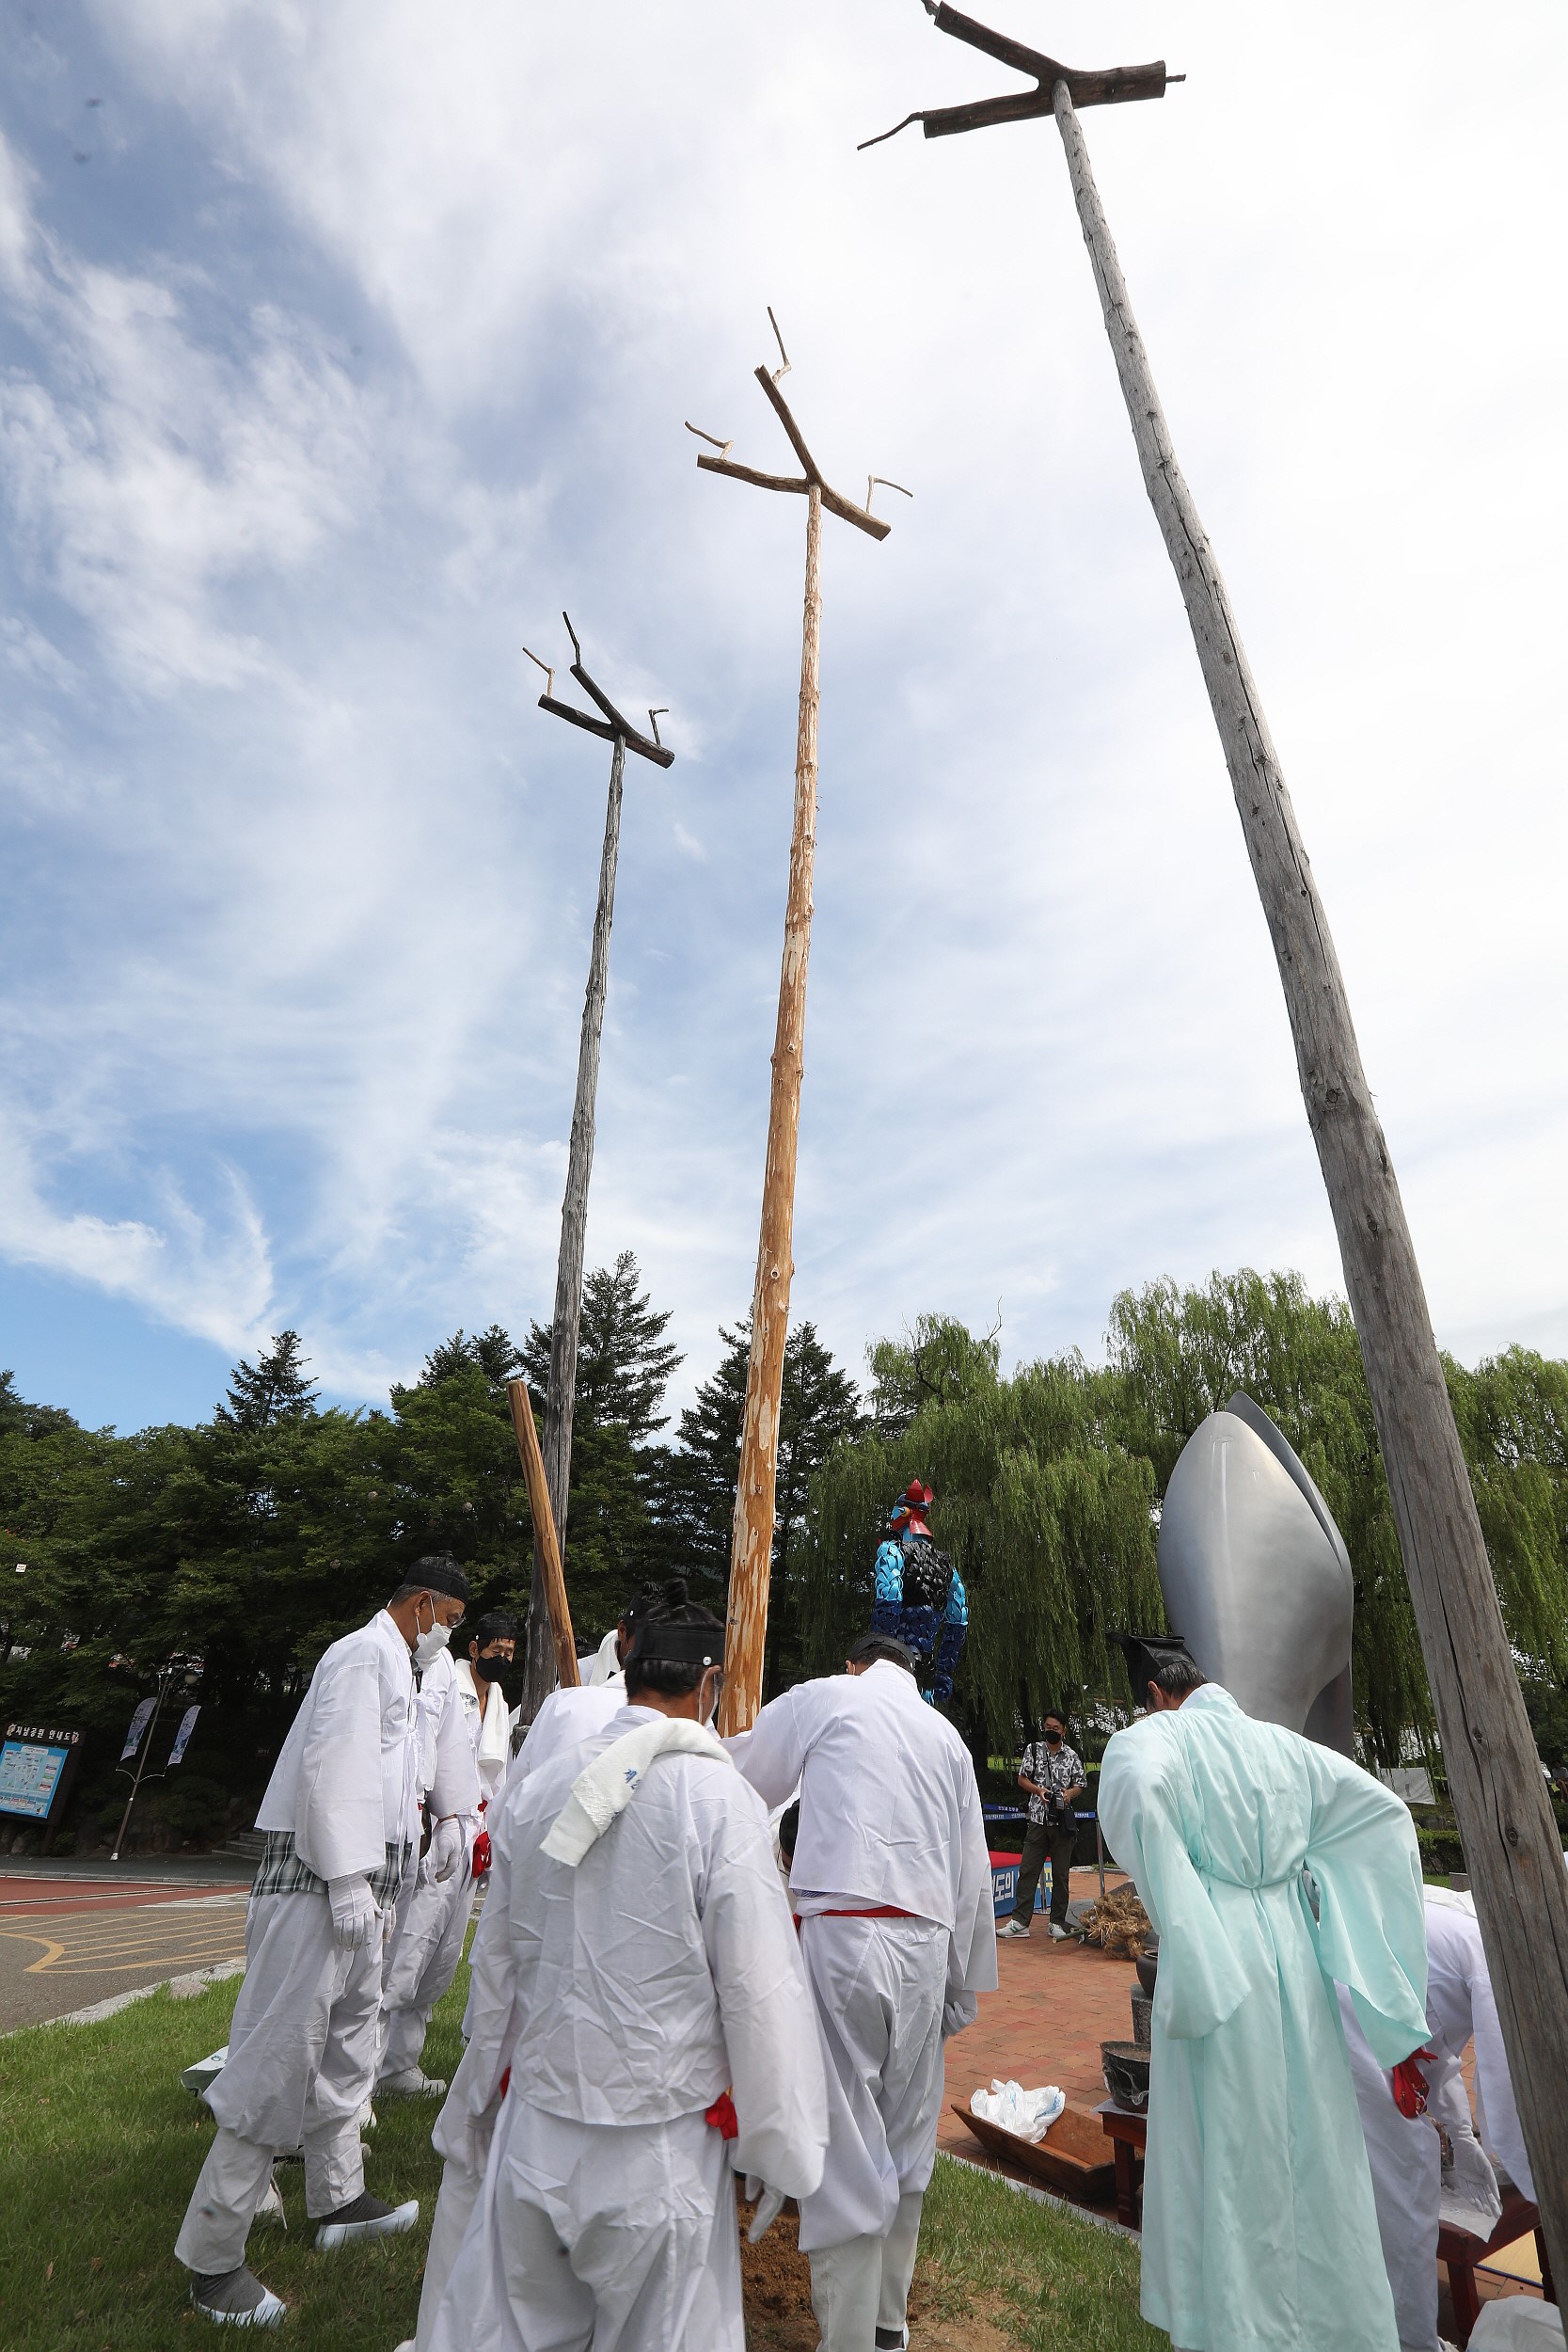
point(1028, 2114)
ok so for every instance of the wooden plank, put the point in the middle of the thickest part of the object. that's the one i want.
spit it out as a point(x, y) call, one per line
point(546, 1546)
point(1511, 1847)
point(752, 1547)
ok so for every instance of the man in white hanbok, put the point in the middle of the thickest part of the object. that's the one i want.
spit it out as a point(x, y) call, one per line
point(470, 1742)
point(635, 1961)
point(1272, 1868)
point(891, 1881)
point(302, 2045)
point(1418, 2183)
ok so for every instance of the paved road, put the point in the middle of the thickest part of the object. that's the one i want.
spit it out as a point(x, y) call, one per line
point(66, 1942)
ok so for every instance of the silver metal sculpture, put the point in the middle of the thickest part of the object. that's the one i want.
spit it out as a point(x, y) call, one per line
point(1255, 1576)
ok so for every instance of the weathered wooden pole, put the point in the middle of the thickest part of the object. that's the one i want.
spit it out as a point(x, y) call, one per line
point(751, 1545)
point(545, 1664)
point(1511, 1842)
point(1511, 1847)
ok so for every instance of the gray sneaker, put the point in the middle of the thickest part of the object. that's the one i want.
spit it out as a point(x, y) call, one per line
point(235, 2298)
point(367, 2216)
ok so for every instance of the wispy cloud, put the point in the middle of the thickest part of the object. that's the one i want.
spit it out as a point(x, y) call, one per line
point(359, 350)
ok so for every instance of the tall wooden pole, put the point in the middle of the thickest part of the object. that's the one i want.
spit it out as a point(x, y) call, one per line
point(547, 1612)
point(560, 1396)
point(751, 1545)
point(1511, 1842)
point(751, 1549)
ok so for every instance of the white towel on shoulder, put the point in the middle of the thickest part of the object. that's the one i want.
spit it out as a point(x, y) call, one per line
point(602, 1789)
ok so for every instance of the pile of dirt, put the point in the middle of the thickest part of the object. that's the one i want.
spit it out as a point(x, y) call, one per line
point(776, 2288)
point(1119, 1922)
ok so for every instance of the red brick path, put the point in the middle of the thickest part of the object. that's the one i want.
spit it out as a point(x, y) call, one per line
point(1056, 2005)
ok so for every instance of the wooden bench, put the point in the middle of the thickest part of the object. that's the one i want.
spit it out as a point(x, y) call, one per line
point(1463, 2255)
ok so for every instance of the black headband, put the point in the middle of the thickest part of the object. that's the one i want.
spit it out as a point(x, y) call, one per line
point(677, 1645)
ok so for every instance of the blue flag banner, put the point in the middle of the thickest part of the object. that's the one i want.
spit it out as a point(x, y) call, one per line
point(182, 1737)
point(138, 1725)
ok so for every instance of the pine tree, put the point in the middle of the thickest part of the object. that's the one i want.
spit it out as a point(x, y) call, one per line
point(494, 1351)
point(692, 1485)
point(624, 1363)
point(273, 1390)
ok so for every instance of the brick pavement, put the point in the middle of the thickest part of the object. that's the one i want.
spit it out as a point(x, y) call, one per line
point(1056, 2005)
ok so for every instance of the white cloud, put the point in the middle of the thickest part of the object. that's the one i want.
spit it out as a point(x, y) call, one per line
point(394, 365)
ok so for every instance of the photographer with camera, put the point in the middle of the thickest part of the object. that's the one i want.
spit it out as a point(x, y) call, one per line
point(1053, 1774)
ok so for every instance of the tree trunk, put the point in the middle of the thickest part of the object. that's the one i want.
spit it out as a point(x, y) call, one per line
point(1511, 1842)
point(752, 1551)
point(559, 1403)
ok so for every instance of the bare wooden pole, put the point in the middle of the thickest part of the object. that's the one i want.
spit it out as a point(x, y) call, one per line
point(544, 1665)
point(554, 1610)
point(752, 1550)
point(1511, 1843)
point(560, 1397)
point(751, 1544)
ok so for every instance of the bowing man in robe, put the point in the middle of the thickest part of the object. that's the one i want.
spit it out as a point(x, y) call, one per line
point(303, 2043)
point(634, 1963)
point(1272, 1868)
point(891, 1882)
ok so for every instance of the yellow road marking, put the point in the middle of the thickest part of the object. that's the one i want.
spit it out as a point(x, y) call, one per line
point(138, 1944)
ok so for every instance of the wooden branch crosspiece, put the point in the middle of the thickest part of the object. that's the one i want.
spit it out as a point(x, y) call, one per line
point(1112, 86)
point(548, 1662)
point(752, 1548)
point(1512, 1848)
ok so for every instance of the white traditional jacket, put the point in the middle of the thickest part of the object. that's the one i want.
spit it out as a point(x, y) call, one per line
point(344, 1784)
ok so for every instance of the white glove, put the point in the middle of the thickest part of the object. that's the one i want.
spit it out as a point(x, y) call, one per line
point(958, 2010)
point(769, 2203)
point(446, 1844)
point(388, 1928)
point(353, 1914)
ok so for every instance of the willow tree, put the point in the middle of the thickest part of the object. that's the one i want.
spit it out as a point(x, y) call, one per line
point(1048, 1487)
point(1177, 1354)
point(1048, 1518)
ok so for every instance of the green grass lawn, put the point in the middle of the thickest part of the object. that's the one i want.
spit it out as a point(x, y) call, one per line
point(1065, 2286)
point(101, 2148)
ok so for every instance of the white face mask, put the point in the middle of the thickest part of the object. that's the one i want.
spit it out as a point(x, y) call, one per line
point(429, 1646)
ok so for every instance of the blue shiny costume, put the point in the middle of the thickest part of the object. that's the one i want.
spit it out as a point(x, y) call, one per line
point(941, 1640)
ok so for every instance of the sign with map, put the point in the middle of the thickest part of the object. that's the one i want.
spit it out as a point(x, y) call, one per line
point(33, 1763)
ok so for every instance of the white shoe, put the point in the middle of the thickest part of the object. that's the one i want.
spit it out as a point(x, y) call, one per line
point(234, 2299)
point(1058, 1935)
point(1011, 1927)
point(367, 2216)
point(412, 2084)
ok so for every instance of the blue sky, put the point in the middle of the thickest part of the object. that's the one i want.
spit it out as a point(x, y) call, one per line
point(340, 348)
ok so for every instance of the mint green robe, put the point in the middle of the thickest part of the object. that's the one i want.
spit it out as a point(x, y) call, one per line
point(1259, 2230)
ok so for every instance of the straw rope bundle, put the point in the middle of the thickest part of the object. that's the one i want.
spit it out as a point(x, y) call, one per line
point(1119, 1922)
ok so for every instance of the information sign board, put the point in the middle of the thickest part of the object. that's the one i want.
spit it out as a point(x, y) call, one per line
point(35, 1763)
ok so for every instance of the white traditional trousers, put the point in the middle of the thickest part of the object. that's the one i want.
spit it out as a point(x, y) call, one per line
point(1406, 2166)
point(421, 1967)
point(300, 2066)
point(878, 1986)
point(592, 2237)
